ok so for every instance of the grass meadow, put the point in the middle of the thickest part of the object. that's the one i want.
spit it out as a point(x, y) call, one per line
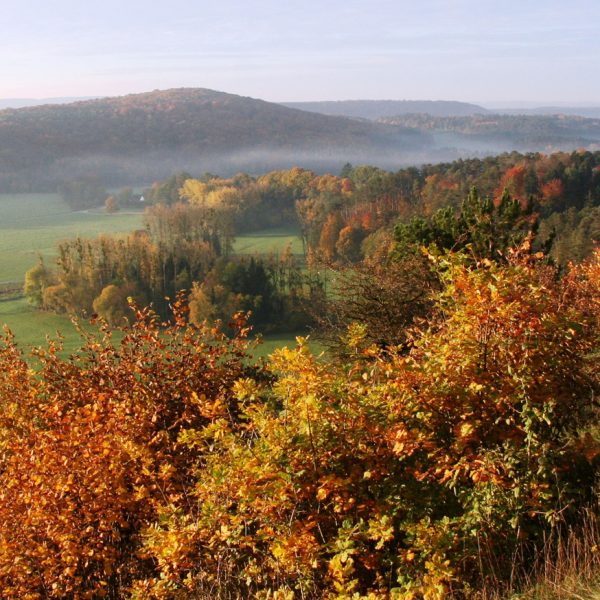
point(33, 224)
point(31, 328)
point(272, 240)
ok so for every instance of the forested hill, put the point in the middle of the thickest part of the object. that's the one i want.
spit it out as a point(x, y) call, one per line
point(503, 133)
point(376, 109)
point(142, 137)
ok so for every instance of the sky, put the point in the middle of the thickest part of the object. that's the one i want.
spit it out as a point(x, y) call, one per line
point(487, 51)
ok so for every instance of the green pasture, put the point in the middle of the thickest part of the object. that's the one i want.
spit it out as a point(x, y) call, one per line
point(31, 328)
point(33, 224)
point(270, 343)
point(267, 241)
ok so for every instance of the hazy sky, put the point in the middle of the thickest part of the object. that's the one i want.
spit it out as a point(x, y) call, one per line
point(485, 51)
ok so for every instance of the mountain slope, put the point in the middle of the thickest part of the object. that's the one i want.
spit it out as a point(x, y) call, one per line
point(141, 137)
point(376, 109)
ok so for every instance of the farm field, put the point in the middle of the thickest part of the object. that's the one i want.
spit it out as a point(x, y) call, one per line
point(33, 224)
point(271, 240)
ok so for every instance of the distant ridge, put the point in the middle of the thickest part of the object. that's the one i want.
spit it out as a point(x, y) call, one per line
point(491, 133)
point(589, 112)
point(377, 109)
point(138, 138)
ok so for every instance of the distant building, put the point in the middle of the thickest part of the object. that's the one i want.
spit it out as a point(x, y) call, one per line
point(142, 199)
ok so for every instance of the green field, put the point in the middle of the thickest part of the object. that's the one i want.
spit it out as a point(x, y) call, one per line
point(272, 240)
point(33, 224)
point(270, 343)
point(31, 327)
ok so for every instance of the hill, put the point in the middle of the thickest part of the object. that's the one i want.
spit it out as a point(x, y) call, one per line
point(590, 112)
point(494, 133)
point(142, 137)
point(376, 109)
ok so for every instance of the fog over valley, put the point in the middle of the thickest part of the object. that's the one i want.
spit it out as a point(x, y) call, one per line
point(137, 138)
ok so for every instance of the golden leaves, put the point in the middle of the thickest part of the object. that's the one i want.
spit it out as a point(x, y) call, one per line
point(98, 453)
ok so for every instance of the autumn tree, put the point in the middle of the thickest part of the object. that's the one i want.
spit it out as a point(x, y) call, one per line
point(111, 205)
point(113, 303)
point(349, 241)
point(329, 236)
point(513, 181)
point(36, 280)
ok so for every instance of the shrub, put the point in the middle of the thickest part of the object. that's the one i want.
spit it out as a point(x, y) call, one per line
point(412, 476)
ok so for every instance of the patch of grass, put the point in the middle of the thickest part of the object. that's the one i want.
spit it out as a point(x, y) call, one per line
point(33, 224)
point(270, 343)
point(565, 567)
point(31, 326)
point(269, 240)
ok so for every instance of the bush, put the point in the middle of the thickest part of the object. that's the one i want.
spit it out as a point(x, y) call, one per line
point(91, 453)
point(415, 476)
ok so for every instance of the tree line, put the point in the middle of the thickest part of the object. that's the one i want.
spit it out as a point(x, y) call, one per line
point(347, 217)
point(183, 247)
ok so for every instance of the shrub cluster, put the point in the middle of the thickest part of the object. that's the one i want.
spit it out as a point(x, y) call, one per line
point(171, 466)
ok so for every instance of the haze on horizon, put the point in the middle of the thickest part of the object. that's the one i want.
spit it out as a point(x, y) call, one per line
point(539, 52)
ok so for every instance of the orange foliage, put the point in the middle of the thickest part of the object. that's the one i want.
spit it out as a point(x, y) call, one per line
point(513, 180)
point(329, 236)
point(94, 450)
point(552, 191)
point(169, 467)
